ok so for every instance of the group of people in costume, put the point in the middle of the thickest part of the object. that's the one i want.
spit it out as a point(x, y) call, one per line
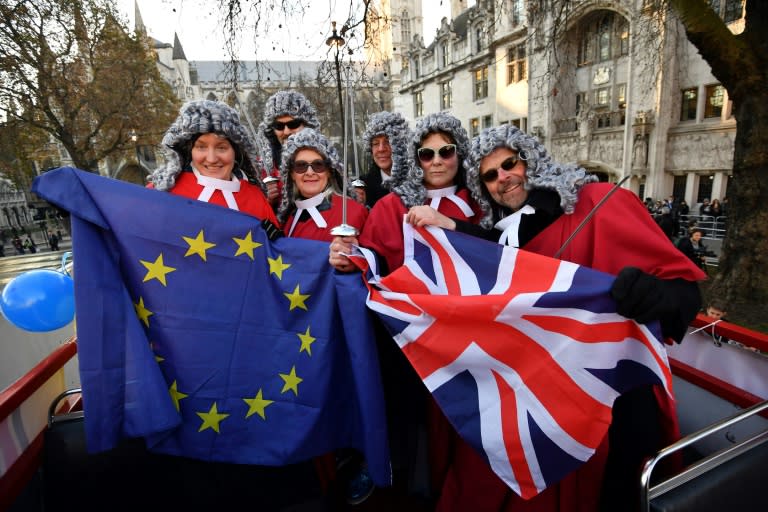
point(502, 186)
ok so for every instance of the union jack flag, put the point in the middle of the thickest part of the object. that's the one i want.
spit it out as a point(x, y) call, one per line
point(525, 354)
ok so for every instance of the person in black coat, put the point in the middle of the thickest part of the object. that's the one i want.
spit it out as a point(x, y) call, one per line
point(693, 247)
point(666, 222)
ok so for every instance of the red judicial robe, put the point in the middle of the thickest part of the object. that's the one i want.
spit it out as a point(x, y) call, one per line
point(383, 231)
point(250, 199)
point(620, 234)
point(306, 227)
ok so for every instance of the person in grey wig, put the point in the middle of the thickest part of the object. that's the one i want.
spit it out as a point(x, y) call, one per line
point(433, 173)
point(386, 136)
point(285, 113)
point(532, 202)
point(210, 157)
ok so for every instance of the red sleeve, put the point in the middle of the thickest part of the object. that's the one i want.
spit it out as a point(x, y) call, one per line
point(621, 233)
point(383, 231)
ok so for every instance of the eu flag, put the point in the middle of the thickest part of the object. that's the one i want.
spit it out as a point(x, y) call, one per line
point(202, 336)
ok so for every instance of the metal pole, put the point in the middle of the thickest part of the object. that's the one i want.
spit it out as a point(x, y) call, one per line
point(342, 229)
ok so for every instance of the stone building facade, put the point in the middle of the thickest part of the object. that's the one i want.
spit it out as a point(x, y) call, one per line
point(613, 92)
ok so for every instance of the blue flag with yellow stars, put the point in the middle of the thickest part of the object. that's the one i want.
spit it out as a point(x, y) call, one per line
point(200, 335)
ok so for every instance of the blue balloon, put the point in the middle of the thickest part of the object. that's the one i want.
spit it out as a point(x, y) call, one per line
point(39, 300)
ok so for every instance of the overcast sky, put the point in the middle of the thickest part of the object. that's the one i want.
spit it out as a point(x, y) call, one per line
point(197, 24)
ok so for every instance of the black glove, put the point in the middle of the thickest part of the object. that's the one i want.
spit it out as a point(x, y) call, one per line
point(273, 232)
point(640, 296)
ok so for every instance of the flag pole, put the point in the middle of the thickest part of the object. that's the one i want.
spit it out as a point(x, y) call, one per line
point(590, 214)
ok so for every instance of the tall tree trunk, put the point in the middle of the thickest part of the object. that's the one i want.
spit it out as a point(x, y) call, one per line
point(743, 267)
point(740, 63)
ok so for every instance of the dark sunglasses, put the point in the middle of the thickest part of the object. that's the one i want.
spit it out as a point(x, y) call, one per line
point(493, 174)
point(300, 166)
point(445, 152)
point(292, 124)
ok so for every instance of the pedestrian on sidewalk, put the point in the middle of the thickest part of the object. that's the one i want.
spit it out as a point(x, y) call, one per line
point(18, 245)
point(53, 240)
point(30, 246)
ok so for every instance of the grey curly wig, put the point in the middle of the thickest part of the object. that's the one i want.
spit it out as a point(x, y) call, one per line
point(197, 118)
point(541, 171)
point(408, 181)
point(306, 139)
point(395, 127)
point(282, 103)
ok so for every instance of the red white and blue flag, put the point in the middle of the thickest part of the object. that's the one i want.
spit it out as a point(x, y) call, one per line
point(525, 354)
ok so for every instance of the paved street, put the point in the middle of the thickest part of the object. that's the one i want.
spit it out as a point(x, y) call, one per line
point(20, 350)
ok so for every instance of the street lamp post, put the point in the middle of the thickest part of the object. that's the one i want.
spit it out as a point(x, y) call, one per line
point(337, 41)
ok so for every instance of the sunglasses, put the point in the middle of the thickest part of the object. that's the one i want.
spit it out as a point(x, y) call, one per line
point(300, 166)
point(445, 152)
point(292, 124)
point(493, 174)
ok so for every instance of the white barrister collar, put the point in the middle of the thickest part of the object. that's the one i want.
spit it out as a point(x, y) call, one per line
point(510, 225)
point(435, 195)
point(310, 206)
point(211, 185)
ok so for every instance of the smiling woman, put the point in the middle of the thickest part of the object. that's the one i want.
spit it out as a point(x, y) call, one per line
point(210, 158)
point(312, 203)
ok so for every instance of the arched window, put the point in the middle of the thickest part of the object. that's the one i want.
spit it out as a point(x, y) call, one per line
point(604, 36)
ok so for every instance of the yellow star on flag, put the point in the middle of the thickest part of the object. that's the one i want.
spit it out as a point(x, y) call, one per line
point(142, 312)
point(211, 419)
point(257, 405)
point(176, 395)
point(157, 270)
point(297, 299)
point(292, 381)
point(306, 341)
point(276, 266)
point(246, 245)
point(198, 246)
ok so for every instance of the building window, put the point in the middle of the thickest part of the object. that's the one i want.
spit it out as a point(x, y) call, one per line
point(517, 12)
point(418, 104)
point(416, 68)
point(729, 10)
point(487, 121)
point(688, 107)
point(516, 68)
point(623, 37)
point(446, 99)
point(603, 37)
point(405, 28)
point(474, 127)
point(479, 39)
point(521, 123)
point(621, 96)
point(480, 80)
point(603, 97)
point(444, 56)
point(715, 99)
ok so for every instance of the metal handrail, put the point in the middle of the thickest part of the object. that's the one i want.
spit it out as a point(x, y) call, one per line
point(705, 464)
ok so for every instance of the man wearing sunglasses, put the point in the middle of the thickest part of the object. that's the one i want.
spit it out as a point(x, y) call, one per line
point(285, 113)
point(386, 136)
point(530, 201)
